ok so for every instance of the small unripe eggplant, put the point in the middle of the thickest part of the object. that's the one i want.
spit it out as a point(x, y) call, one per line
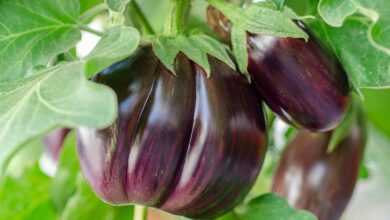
point(187, 144)
point(322, 182)
point(303, 82)
point(54, 142)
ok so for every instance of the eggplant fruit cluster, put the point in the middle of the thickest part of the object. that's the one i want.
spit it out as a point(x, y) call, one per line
point(187, 144)
point(303, 82)
point(311, 178)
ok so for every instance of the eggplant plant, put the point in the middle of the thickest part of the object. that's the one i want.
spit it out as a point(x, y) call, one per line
point(179, 109)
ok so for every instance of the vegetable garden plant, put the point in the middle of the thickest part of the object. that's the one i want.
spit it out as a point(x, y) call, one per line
point(176, 113)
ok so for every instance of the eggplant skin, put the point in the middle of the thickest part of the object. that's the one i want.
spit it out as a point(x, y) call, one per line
point(186, 144)
point(54, 142)
point(312, 179)
point(303, 82)
point(300, 81)
point(226, 148)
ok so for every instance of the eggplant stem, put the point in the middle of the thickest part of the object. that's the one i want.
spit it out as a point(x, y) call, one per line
point(140, 212)
point(179, 11)
point(142, 18)
point(90, 30)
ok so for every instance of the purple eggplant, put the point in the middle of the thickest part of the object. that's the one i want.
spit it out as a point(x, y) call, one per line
point(54, 142)
point(187, 144)
point(303, 82)
point(311, 178)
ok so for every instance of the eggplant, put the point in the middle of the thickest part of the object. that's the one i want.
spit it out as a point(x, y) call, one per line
point(303, 82)
point(186, 144)
point(54, 142)
point(311, 178)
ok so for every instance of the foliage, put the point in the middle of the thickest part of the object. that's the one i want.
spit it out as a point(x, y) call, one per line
point(40, 91)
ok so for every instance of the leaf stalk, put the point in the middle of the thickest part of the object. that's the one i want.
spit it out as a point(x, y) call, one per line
point(93, 12)
point(141, 18)
point(179, 12)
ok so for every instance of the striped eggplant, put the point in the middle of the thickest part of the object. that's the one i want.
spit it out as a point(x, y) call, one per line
point(303, 82)
point(186, 144)
point(311, 178)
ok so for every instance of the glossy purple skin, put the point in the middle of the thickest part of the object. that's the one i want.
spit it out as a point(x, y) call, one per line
point(303, 82)
point(226, 147)
point(54, 142)
point(187, 144)
point(300, 81)
point(312, 179)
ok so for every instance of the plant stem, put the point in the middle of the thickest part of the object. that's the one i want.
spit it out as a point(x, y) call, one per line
point(140, 212)
point(90, 30)
point(141, 17)
point(93, 12)
point(178, 15)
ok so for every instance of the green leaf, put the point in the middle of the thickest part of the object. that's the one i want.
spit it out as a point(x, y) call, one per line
point(196, 47)
point(60, 95)
point(377, 105)
point(366, 66)
point(259, 18)
point(279, 3)
point(212, 47)
point(379, 13)
point(117, 5)
point(193, 53)
point(118, 43)
point(24, 159)
point(85, 5)
point(85, 205)
point(303, 7)
point(364, 172)
point(334, 12)
point(166, 50)
point(377, 157)
point(272, 207)
point(26, 197)
point(240, 51)
point(157, 12)
point(32, 32)
point(64, 182)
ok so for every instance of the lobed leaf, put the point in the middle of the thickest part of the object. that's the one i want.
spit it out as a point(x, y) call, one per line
point(166, 50)
point(366, 66)
point(193, 53)
point(240, 51)
point(118, 43)
point(196, 47)
point(32, 32)
point(260, 18)
point(59, 95)
point(212, 47)
point(378, 12)
point(334, 12)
